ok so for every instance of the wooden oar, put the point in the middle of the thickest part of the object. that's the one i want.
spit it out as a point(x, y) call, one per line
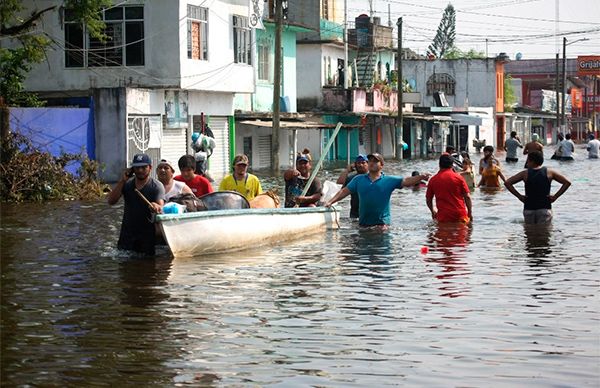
point(320, 162)
point(139, 193)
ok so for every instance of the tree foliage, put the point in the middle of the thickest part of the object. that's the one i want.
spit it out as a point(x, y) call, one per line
point(28, 44)
point(29, 174)
point(510, 98)
point(446, 32)
point(456, 53)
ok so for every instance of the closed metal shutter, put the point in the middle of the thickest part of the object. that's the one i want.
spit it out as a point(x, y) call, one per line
point(174, 145)
point(218, 165)
point(264, 151)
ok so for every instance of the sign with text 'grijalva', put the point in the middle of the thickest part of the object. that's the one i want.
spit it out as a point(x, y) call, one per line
point(588, 65)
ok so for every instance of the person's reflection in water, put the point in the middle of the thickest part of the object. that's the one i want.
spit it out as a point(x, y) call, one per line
point(368, 249)
point(538, 241)
point(450, 240)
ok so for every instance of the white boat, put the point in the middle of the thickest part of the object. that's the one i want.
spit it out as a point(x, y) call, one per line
point(215, 231)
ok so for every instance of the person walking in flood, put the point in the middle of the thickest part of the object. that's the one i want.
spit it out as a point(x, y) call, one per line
point(452, 196)
point(533, 145)
point(537, 200)
point(510, 146)
point(593, 147)
point(374, 192)
point(359, 167)
point(567, 148)
point(488, 158)
point(137, 229)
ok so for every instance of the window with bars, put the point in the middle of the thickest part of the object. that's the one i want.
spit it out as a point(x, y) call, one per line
point(441, 82)
point(264, 60)
point(197, 44)
point(124, 45)
point(241, 40)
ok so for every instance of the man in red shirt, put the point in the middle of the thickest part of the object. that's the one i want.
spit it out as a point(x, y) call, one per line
point(199, 184)
point(452, 197)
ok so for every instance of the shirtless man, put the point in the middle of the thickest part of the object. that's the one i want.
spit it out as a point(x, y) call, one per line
point(533, 145)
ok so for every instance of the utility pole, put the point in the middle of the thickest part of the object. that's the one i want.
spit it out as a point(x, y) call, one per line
point(564, 85)
point(346, 44)
point(400, 123)
point(557, 85)
point(276, 88)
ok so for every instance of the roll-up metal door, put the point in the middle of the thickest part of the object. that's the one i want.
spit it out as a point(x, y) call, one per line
point(218, 165)
point(174, 145)
point(264, 151)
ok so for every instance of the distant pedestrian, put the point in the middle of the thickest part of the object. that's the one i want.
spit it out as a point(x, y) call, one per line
point(374, 192)
point(593, 147)
point(359, 167)
point(490, 177)
point(138, 233)
point(452, 196)
point(510, 146)
point(567, 148)
point(557, 151)
point(488, 158)
point(467, 171)
point(537, 200)
point(533, 145)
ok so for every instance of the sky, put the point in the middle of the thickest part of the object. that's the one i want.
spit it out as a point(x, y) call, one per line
point(510, 26)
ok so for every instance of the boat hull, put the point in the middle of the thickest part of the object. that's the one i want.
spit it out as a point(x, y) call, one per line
point(208, 232)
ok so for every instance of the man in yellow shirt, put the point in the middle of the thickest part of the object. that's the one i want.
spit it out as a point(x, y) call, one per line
point(241, 181)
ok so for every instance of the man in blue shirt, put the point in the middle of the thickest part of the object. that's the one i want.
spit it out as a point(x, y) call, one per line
point(374, 192)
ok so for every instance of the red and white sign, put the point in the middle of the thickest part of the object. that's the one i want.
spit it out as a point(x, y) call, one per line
point(588, 65)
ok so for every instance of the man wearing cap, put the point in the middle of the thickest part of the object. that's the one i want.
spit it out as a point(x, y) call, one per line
point(359, 167)
point(241, 181)
point(374, 192)
point(295, 181)
point(452, 197)
point(173, 188)
point(137, 230)
point(199, 184)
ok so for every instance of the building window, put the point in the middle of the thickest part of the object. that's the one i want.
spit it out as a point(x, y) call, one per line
point(441, 82)
point(325, 9)
point(264, 60)
point(124, 44)
point(241, 40)
point(197, 44)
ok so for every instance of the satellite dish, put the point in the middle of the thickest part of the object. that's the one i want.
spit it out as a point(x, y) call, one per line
point(519, 56)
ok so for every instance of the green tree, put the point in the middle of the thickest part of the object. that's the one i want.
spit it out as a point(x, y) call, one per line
point(28, 45)
point(456, 53)
point(510, 98)
point(446, 32)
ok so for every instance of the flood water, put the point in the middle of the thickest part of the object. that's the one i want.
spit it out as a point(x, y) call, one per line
point(497, 304)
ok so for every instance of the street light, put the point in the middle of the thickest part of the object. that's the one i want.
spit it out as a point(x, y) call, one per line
point(564, 79)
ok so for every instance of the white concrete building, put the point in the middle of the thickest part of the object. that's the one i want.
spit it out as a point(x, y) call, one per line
point(167, 66)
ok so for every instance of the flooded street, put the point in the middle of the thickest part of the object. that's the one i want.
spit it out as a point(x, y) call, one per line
point(498, 304)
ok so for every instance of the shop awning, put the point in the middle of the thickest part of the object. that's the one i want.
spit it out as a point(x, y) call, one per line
point(464, 119)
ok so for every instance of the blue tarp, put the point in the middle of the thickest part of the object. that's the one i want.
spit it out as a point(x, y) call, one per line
point(54, 130)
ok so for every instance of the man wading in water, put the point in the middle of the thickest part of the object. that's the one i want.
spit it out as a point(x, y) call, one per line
point(137, 230)
point(374, 192)
point(537, 200)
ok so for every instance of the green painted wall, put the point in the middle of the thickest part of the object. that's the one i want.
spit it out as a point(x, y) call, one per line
point(262, 100)
point(340, 149)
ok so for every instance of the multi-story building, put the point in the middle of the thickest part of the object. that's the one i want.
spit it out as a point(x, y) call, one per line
point(166, 69)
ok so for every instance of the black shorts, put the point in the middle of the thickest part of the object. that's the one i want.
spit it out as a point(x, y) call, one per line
point(512, 160)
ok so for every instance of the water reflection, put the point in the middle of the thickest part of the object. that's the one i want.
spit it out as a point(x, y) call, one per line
point(537, 240)
point(449, 242)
